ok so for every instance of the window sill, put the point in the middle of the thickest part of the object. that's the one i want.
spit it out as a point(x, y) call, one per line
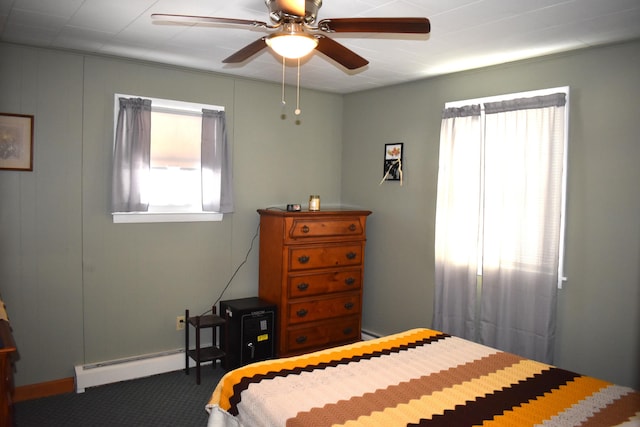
point(147, 217)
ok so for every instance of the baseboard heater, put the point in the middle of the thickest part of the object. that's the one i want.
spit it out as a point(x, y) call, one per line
point(367, 335)
point(95, 374)
point(91, 375)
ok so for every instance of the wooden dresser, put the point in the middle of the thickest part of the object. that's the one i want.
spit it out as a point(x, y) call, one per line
point(8, 353)
point(311, 267)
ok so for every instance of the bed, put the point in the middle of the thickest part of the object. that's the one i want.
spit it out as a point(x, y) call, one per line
point(419, 377)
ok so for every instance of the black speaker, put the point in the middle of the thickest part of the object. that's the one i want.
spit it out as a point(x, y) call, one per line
point(248, 335)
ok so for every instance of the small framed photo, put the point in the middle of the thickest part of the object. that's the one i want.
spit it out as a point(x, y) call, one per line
point(16, 142)
point(393, 162)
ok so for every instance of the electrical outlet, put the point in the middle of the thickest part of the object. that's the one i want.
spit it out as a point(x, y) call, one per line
point(180, 322)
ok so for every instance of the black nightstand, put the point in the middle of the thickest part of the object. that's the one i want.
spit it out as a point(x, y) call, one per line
point(205, 354)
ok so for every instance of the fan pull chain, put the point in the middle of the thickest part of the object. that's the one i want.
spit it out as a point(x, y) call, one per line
point(283, 64)
point(297, 112)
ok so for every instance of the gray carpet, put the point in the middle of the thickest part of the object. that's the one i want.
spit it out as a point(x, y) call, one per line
point(171, 399)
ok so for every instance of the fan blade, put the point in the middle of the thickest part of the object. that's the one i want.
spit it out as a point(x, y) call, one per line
point(247, 51)
point(291, 7)
point(193, 19)
point(376, 25)
point(339, 53)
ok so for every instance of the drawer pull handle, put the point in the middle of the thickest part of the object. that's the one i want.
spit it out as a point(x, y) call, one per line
point(301, 339)
point(305, 228)
point(348, 305)
point(303, 286)
point(351, 255)
point(352, 227)
point(347, 331)
point(303, 259)
point(302, 312)
point(349, 281)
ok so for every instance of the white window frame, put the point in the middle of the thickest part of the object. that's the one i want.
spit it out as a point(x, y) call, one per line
point(541, 92)
point(160, 104)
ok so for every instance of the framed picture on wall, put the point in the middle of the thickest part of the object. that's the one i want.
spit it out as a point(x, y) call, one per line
point(393, 162)
point(16, 142)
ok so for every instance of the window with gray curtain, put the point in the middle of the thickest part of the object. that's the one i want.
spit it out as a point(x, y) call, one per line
point(499, 222)
point(134, 177)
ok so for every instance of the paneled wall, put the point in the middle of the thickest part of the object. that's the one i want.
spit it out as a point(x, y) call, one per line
point(80, 289)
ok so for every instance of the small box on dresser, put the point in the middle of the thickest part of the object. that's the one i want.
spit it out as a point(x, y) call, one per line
point(312, 268)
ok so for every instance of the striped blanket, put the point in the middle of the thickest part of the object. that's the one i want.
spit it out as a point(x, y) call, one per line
point(419, 377)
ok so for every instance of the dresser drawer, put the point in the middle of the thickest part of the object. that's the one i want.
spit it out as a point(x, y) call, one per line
point(323, 283)
point(310, 257)
point(319, 309)
point(324, 333)
point(346, 227)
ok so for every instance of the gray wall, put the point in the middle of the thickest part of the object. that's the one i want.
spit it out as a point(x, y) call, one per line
point(78, 291)
point(81, 289)
point(598, 309)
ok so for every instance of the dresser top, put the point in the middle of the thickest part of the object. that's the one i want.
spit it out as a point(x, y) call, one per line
point(333, 211)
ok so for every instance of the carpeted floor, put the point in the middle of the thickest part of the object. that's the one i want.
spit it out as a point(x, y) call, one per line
point(171, 399)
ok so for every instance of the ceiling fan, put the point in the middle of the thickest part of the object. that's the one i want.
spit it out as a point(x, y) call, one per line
point(297, 34)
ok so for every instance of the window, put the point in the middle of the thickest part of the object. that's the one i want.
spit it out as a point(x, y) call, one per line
point(500, 220)
point(162, 173)
point(174, 180)
point(486, 167)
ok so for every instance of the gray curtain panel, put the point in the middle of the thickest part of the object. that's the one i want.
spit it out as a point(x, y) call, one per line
point(217, 188)
point(131, 155)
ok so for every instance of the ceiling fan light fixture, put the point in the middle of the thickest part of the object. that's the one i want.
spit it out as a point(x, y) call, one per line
point(292, 46)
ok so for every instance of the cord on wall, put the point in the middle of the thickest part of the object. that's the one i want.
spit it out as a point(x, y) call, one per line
point(253, 239)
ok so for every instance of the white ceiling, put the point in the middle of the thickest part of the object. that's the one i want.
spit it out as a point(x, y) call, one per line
point(465, 34)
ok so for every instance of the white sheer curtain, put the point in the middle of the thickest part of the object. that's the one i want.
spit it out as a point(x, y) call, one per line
point(217, 195)
point(457, 221)
point(517, 235)
point(131, 155)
